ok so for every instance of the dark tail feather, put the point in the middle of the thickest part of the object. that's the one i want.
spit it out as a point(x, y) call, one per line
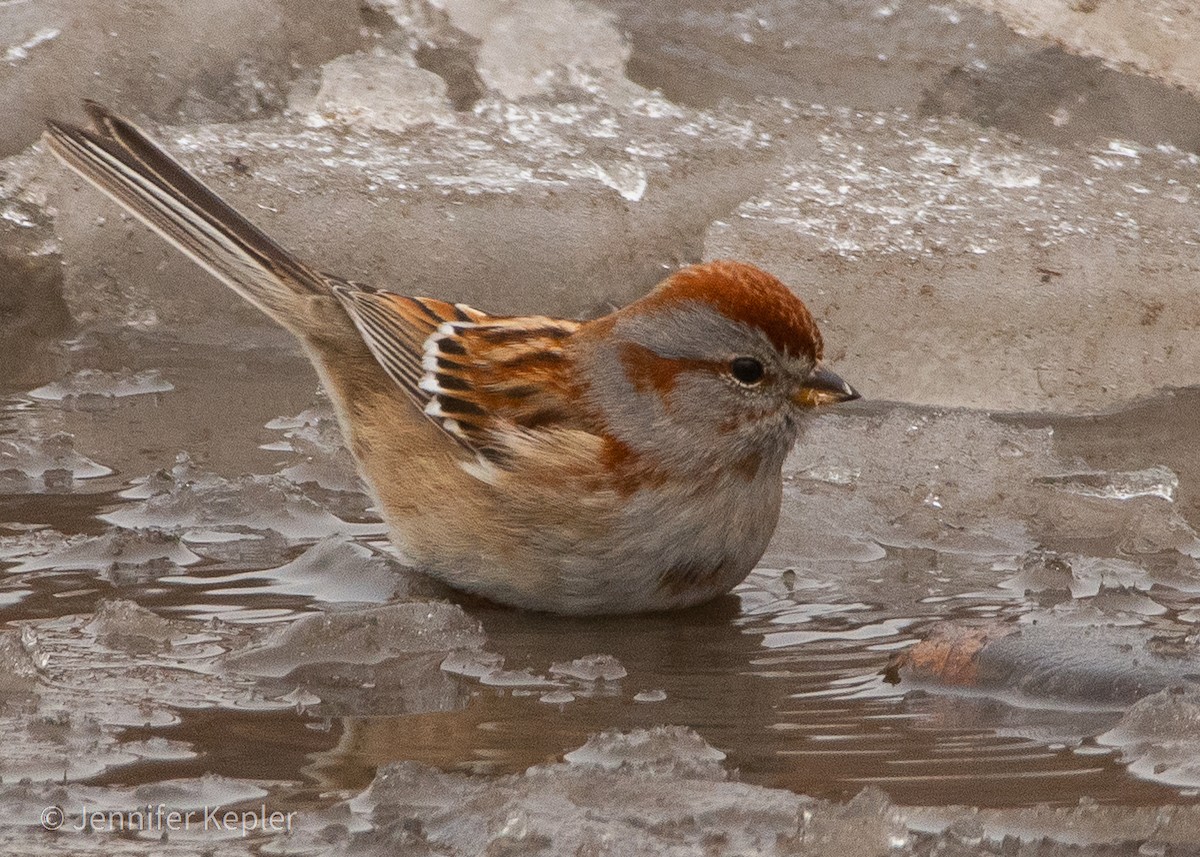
point(122, 161)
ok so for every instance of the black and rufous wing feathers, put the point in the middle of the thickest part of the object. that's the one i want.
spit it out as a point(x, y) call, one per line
point(477, 377)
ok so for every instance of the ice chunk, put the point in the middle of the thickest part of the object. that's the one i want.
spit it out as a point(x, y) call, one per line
point(219, 61)
point(591, 668)
point(656, 695)
point(472, 663)
point(381, 90)
point(367, 636)
point(206, 791)
point(664, 750)
point(147, 550)
point(35, 465)
point(17, 671)
point(1082, 576)
point(1052, 96)
point(316, 435)
point(869, 56)
point(522, 679)
point(96, 676)
point(911, 55)
point(1159, 737)
point(1158, 38)
point(31, 541)
point(557, 697)
point(128, 620)
point(963, 483)
point(89, 388)
point(650, 792)
point(33, 313)
point(903, 457)
point(526, 47)
point(1151, 482)
point(208, 508)
point(331, 571)
point(950, 267)
point(867, 818)
point(513, 207)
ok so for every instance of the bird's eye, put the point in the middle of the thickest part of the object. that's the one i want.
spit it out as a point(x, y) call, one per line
point(746, 370)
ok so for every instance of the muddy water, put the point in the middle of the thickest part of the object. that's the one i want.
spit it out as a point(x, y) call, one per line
point(785, 675)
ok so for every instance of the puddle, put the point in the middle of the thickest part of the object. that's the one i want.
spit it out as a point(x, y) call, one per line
point(785, 676)
point(969, 633)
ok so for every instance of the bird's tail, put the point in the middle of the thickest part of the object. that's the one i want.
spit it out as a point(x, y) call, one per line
point(120, 160)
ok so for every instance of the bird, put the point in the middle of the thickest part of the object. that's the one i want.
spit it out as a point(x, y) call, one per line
point(623, 464)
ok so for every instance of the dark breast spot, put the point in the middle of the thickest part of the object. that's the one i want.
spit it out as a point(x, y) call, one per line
point(700, 574)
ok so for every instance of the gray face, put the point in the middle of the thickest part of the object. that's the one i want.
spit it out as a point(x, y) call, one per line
point(668, 383)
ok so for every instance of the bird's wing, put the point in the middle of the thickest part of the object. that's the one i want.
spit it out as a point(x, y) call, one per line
point(479, 377)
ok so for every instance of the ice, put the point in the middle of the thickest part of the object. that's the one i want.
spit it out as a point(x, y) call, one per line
point(334, 570)
point(137, 818)
point(1054, 97)
point(650, 696)
point(495, 152)
point(648, 792)
point(521, 48)
point(91, 388)
point(207, 508)
point(591, 668)
point(664, 750)
point(218, 60)
point(380, 90)
point(932, 58)
point(32, 310)
point(140, 551)
point(515, 679)
point(1159, 737)
point(861, 54)
point(903, 457)
point(528, 46)
point(1081, 576)
point(363, 662)
point(515, 207)
point(315, 434)
point(29, 541)
point(1157, 38)
point(17, 671)
point(954, 268)
point(126, 620)
point(368, 636)
point(414, 807)
point(557, 697)
point(472, 663)
point(87, 692)
point(37, 465)
point(1151, 482)
point(587, 674)
point(209, 790)
point(95, 675)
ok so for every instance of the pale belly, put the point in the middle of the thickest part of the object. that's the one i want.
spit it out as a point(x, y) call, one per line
point(649, 554)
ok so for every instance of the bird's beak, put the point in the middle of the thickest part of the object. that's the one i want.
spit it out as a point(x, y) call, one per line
point(823, 387)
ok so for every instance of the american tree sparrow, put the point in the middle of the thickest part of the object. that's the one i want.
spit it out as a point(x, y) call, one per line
point(624, 464)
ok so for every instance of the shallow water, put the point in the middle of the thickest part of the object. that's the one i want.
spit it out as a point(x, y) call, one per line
point(969, 626)
point(785, 675)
